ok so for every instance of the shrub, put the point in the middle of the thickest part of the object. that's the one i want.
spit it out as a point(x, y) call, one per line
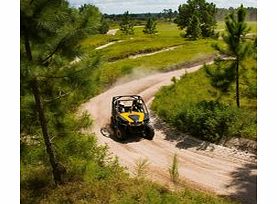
point(141, 168)
point(207, 120)
point(174, 169)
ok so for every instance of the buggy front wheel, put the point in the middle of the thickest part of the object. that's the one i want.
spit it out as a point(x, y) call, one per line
point(149, 132)
point(120, 134)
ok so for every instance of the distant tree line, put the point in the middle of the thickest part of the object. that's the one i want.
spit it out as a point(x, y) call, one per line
point(127, 25)
point(222, 12)
point(170, 14)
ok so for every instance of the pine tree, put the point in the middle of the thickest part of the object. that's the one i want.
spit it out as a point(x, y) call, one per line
point(193, 29)
point(104, 26)
point(91, 17)
point(150, 27)
point(50, 33)
point(235, 52)
point(126, 25)
point(205, 12)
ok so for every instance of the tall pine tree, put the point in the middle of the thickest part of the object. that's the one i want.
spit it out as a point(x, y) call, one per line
point(193, 28)
point(50, 33)
point(236, 49)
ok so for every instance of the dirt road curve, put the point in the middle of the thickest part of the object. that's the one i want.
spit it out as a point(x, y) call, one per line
point(215, 168)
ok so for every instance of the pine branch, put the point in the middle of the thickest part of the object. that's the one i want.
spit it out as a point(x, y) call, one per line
point(62, 76)
point(58, 97)
point(55, 50)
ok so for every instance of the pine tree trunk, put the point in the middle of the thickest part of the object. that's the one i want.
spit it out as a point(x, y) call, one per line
point(237, 83)
point(57, 173)
point(27, 45)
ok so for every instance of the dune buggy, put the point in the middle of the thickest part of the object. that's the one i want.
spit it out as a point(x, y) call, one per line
point(130, 117)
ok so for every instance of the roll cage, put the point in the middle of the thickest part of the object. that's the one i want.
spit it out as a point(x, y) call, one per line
point(128, 103)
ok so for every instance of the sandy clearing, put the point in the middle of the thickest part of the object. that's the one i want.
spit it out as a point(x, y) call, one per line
point(112, 31)
point(219, 169)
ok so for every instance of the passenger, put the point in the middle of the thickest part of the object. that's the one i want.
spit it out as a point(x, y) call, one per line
point(121, 107)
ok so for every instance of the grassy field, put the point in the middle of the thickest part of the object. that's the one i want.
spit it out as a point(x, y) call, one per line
point(115, 61)
point(251, 24)
point(114, 58)
point(168, 35)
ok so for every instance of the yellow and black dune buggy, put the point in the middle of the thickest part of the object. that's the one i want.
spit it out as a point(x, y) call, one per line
point(130, 117)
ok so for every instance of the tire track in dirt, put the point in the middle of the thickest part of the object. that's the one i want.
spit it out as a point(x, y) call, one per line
point(216, 168)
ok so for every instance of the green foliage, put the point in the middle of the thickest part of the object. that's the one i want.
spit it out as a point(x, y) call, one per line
point(126, 25)
point(118, 188)
point(150, 27)
point(193, 28)
point(52, 83)
point(104, 26)
point(193, 10)
point(93, 19)
point(142, 168)
point(236, 28)
point(221, 77)
point(86, 164)
point(168, 14)
point(236, 48)
point(193, 105)
point(95, 177)
point(174, 169)
point(208, 120)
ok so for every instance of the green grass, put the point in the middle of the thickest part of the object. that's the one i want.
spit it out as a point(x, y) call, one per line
point(97, 40)
point(168, 35)
point(251, 24)
point(189, 52)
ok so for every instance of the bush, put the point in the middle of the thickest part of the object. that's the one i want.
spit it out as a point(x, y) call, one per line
point(207, 120)
point(174, 170)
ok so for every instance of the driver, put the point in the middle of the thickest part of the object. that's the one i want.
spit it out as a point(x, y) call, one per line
point(137, 106)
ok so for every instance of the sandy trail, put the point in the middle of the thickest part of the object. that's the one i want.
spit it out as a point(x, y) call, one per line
point(108, 44)
point(114, 31)
point(215, 168)
point(153, 53)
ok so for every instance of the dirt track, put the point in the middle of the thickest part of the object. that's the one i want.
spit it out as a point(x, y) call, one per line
point(215, 168)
